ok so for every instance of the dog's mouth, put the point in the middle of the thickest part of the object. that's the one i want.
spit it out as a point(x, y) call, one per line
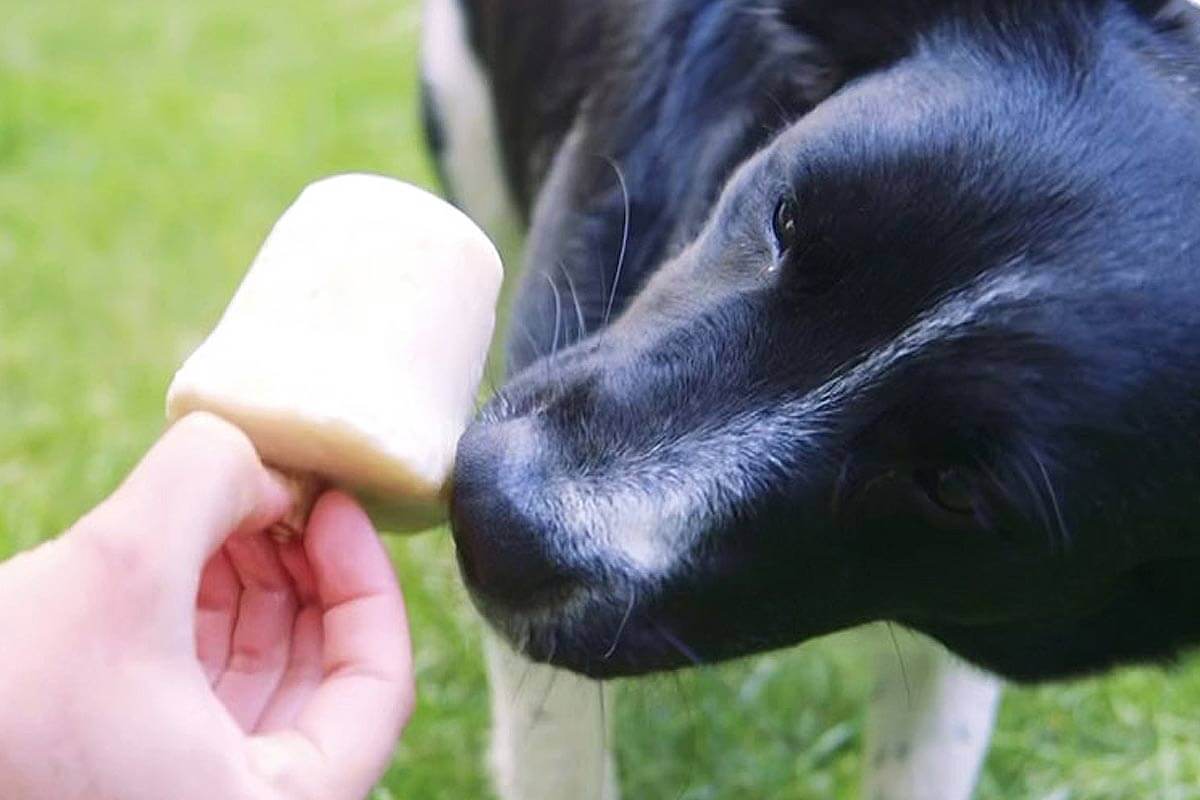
point(601, 632)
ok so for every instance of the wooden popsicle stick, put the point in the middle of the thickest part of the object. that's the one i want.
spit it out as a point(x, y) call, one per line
point(305, 489)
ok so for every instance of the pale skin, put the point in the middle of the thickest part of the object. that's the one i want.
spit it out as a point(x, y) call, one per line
point(166, 646)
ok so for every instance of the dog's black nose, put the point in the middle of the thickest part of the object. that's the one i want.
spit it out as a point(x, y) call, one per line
point(505, 546)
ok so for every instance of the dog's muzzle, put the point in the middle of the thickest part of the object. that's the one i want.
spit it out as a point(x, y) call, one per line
point(502, 527)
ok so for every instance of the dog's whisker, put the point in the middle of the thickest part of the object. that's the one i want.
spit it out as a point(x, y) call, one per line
point(621, 628)
point(537, 347)
point(675, 642)
point(785, 117)
point(1037, 497)
point(519, 633)
point(494, 392)
point(557, 311)
point(891, 629)
point(536, 717)
point(612, 296)
point(580, 319)
point(1064, 535)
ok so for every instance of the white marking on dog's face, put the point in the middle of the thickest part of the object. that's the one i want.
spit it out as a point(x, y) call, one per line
point(953, 317)
point(642, 532)
point(462, 95)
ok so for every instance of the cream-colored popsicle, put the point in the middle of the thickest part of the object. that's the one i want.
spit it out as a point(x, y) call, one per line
point(352, 351)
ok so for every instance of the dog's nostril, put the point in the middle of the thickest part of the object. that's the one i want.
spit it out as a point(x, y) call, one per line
point(504, 546)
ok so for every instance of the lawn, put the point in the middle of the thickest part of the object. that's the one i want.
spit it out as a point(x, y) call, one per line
point(145, 148)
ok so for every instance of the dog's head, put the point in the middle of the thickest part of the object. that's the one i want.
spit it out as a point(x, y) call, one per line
point(933, 357)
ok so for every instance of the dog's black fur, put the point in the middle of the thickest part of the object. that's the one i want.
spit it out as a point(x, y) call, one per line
point(905, 305)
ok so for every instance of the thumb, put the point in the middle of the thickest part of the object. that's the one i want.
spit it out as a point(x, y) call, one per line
point(199, 484)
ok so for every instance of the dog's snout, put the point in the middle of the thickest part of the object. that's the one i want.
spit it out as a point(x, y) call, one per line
point(503, 536)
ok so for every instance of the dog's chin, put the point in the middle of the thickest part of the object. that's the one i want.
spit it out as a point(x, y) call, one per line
point(591, 638)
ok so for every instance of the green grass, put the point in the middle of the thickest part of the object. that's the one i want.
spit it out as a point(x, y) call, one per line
point(145, 148)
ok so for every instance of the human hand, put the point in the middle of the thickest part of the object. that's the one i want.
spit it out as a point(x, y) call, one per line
point(166, 647)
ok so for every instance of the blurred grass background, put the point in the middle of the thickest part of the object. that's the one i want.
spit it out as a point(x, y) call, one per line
point(146, 146)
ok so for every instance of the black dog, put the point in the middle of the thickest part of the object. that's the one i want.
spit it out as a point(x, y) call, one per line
point(905, 325)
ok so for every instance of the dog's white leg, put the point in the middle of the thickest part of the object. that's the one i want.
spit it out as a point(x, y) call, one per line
point(550, 731)
point(929, 724)
point(460, 98)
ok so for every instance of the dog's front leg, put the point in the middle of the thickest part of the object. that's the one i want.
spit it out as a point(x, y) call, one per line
point(550, 731)
point(929, 724)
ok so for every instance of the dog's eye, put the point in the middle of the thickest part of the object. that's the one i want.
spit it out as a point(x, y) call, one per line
point(787, 230)
point(949, 488)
